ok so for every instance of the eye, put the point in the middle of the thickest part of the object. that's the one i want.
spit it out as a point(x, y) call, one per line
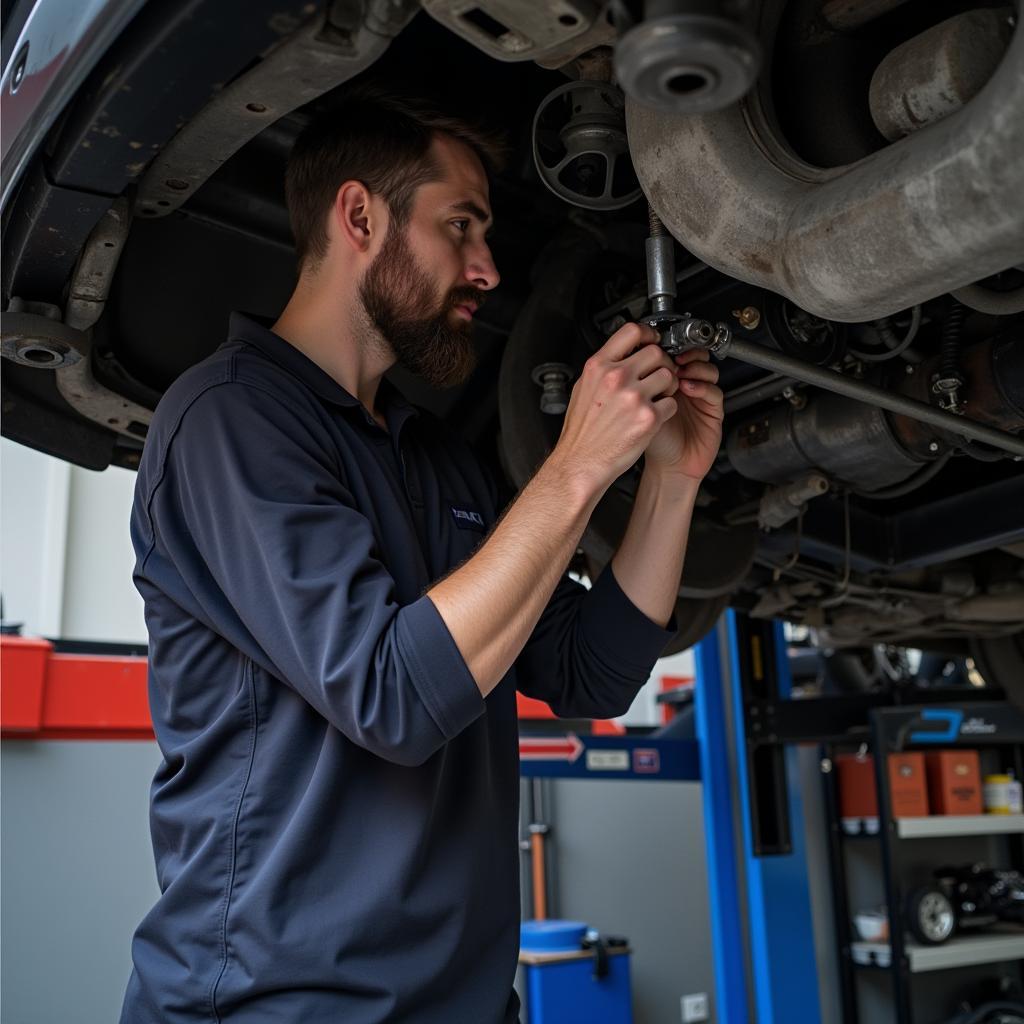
point(461, 225)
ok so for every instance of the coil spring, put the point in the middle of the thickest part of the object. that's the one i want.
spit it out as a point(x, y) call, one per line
point(952, 332)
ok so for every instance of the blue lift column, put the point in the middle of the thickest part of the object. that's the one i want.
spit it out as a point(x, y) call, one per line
point(765, 968)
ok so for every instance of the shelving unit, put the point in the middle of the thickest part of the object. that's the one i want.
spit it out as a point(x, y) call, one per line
point(893, 730)
point(941, 826)
point(987, 947)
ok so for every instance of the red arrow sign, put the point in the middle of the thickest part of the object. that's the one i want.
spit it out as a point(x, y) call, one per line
point(566, 748)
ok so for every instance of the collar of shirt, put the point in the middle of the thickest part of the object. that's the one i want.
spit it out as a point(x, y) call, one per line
point(256, 331)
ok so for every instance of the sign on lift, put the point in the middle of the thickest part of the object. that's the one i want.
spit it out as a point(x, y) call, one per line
point(619, 757)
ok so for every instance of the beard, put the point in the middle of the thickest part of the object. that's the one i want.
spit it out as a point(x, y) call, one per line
point(396, 292)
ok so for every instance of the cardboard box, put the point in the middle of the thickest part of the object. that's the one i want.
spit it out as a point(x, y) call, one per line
point(908, 786)
point(954, 782)
point(857, 797)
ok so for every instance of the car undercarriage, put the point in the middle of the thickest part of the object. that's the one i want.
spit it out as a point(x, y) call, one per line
point(842, 181)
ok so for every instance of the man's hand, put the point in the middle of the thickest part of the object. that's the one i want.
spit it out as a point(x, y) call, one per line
point(623, 398)
point(687, 444)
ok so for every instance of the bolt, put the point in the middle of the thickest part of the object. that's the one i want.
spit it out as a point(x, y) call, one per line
point(699, 331)
point(553, 379)
point(177, 184)
point(908, 369)
point(749, 317)
point(256, 108)
point(948, 390)
point(20, 65)
point(795, 398)
point(933, 447)
point(826, 765)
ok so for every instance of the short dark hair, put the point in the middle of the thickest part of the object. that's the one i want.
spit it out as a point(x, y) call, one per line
point(381, 138)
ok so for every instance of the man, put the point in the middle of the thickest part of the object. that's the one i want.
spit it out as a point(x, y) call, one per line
point(339, 620)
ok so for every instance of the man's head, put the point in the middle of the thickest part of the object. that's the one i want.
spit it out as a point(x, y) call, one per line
point(396, 193)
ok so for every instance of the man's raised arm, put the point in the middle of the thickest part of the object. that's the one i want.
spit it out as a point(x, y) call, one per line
point(624, 402)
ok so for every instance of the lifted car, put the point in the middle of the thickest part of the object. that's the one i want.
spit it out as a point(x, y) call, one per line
point(835, 210)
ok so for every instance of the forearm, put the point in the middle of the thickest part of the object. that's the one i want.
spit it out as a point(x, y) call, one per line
point(649, 562)
point(492, 603)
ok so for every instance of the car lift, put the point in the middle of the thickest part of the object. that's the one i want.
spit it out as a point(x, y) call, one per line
point(775, 879)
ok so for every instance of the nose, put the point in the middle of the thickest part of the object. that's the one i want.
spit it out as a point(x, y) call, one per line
point(481, 271)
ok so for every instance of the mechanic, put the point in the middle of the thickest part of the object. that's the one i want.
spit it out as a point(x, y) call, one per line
point(339, 617)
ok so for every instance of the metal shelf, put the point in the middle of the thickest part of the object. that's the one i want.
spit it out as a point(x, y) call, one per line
point(959, 825)
point(963, 951)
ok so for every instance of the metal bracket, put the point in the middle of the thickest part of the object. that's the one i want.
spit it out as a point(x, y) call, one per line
point(322, 54)
point(551, 34)
point(32, 337)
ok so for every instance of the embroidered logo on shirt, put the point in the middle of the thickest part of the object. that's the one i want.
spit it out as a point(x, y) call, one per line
point(467, 519)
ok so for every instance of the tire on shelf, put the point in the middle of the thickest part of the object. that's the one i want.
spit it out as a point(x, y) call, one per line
point(930, 915)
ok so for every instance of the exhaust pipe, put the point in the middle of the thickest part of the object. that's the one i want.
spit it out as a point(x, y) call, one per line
point(929, 214)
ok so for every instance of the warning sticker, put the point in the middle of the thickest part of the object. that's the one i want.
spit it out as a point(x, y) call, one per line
point(607, 760)
point(646, 761)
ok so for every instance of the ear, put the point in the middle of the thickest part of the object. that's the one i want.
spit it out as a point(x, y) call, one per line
point(355, 217)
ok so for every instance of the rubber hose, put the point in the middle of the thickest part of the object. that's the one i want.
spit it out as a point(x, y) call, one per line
point(919, 479)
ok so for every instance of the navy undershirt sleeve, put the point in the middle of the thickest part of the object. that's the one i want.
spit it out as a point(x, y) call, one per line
point(591, 650)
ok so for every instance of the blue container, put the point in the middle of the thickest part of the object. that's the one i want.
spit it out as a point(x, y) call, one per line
point(561, 985)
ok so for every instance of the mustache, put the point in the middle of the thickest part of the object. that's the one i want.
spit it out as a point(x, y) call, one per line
point(466, 294)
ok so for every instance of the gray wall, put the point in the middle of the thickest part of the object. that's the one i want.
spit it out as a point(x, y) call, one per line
point(630, 861)
point(76, 876)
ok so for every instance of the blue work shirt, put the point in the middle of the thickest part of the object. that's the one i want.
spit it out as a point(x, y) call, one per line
point(335, 819)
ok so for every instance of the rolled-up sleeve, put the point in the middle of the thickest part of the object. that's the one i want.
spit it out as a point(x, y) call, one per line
point(254, 521)
point(591, 650)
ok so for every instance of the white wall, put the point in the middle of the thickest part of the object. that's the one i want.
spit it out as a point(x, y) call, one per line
point(645, 709)
point(65, 553)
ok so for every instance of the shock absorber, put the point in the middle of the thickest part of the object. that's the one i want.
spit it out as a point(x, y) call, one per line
point(678, 331)
point(949, 381)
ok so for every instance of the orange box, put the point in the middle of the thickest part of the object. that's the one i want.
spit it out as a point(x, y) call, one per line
point(908, 786)
point(857, 797)
point(954, 781)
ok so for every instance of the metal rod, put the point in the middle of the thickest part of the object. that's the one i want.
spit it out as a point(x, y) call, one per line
point(751, 394)
point(768, 359)
point(540, 901)
point(690, 270)
point(661, 266)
